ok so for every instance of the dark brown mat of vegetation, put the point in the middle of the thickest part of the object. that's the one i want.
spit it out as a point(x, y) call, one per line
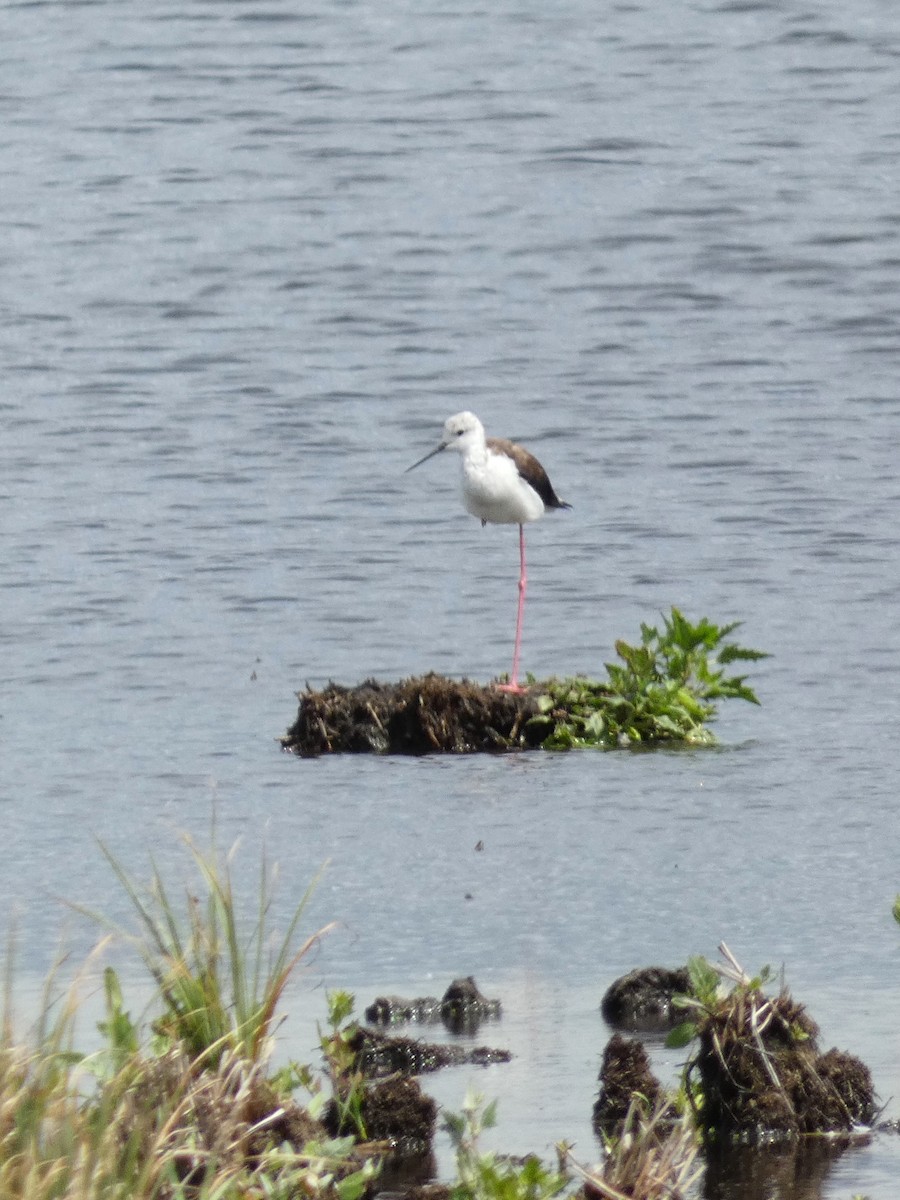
point(425, 715)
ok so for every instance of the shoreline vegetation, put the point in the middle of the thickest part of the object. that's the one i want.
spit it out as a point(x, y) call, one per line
point(187, 1106)
point(663, 690)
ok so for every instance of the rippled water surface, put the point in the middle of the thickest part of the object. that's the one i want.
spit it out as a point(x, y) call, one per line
point(252, 255)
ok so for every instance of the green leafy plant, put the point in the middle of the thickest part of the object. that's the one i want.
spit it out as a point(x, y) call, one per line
point(482, 1175)
point(121, 1033)
point(663, 690)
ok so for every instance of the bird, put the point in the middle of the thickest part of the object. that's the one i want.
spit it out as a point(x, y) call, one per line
point(504, 484)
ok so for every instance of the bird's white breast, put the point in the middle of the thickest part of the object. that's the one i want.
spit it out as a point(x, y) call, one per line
point(494, 491)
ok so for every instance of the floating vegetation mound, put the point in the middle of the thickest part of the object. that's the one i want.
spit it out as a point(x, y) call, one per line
point(762, 1075)
point(663, 690)
point(393, 1110)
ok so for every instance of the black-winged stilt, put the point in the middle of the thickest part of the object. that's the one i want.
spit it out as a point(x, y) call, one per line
point(501, 483)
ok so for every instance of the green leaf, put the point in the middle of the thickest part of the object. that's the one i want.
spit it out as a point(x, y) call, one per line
point(738, 654)
point(682, 1035)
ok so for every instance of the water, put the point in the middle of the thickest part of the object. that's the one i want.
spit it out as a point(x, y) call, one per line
point(252, 257)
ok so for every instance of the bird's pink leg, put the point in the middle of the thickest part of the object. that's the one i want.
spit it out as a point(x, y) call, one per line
point(513, 685)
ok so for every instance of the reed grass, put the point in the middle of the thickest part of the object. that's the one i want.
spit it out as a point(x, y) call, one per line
point(220, 990)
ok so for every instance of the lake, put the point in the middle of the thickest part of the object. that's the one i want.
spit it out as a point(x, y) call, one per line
point(253, 255)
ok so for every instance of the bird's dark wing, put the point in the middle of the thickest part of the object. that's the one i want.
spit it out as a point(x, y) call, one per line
point(529, 469)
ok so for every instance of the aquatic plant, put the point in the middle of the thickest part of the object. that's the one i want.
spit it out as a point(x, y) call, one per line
point(663, 690)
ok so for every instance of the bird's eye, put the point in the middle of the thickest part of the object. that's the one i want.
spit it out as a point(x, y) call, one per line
point(459, 432)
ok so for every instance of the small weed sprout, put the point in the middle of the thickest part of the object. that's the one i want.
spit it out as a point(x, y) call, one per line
point(482, 1175)
point(709, 988)
point(347, 1080)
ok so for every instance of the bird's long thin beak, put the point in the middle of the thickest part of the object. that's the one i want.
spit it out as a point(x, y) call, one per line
point(430, 454)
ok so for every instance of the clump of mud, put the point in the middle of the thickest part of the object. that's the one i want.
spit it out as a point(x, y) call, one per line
point(641, 1001)
point(424, 715)
point(625, 1078)
point(761, 1076)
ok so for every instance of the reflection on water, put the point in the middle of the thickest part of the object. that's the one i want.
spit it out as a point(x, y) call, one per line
point(797, 1171)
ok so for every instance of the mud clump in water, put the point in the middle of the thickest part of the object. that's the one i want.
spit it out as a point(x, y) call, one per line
point(625, 1077)
point(641, 1001)
point(377, 1054)
point(425, 715)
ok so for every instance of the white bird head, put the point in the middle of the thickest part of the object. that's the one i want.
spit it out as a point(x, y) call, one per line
point(461, 431)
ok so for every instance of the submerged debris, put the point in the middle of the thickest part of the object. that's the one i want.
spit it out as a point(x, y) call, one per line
point(398, 1010)
point(641, 1001)
point(422, 715)
point(461, 1009)
point(775, 1169)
